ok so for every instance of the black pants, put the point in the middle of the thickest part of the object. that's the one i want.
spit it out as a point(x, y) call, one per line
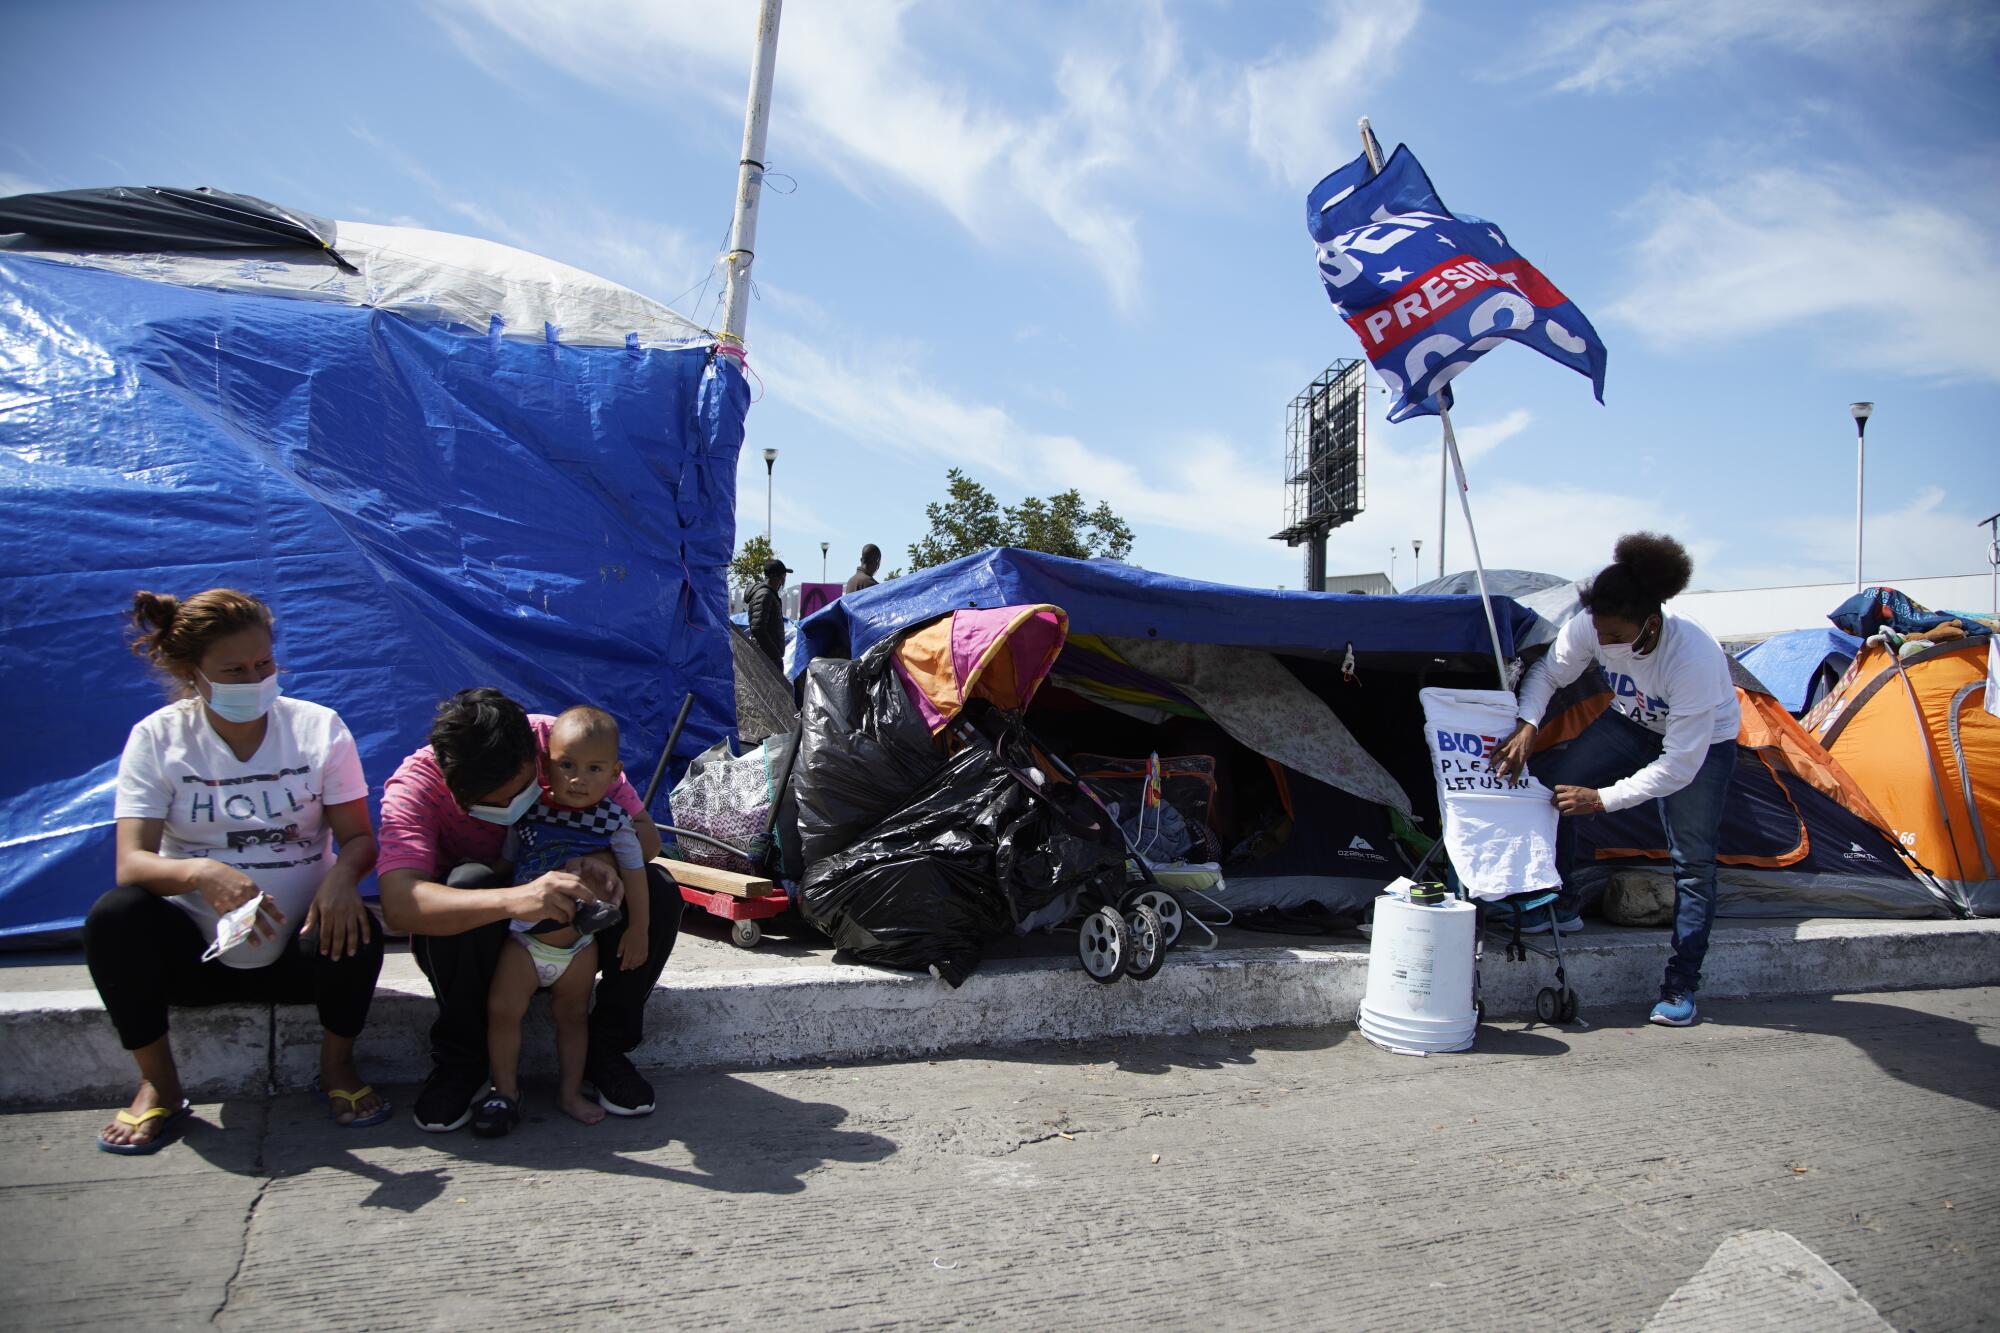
point(145, 954)
point(460, 968)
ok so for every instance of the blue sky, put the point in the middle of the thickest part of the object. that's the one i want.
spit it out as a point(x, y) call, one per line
point(1063, 244)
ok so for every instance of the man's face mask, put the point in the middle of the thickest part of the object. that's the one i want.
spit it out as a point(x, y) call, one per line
point(508, 813)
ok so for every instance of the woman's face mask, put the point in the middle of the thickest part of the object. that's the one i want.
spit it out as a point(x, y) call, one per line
point(1620, 656)
point(242, 703)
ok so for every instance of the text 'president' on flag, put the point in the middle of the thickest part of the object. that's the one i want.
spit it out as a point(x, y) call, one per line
point(1429, 291)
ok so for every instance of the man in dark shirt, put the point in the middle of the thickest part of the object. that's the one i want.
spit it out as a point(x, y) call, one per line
point(864, 575)
point(766, 608)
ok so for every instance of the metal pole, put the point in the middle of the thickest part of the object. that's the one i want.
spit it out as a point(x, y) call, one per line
point(1478, 563)
point(1992, 526)
point(750, 175)
point(1455, 464)
point(1860, 477)
point(769, 464)
point(1444, 468)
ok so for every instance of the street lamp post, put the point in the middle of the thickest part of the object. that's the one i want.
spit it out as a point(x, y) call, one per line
point(1861, 411)
point(770, 461)
point(822, 560)
point(1392, 569)
point(1417, 556)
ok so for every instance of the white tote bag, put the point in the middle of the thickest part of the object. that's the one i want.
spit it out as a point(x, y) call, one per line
point(1500, 832)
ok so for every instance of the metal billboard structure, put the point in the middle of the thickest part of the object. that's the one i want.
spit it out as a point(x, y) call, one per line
point(1326, 454)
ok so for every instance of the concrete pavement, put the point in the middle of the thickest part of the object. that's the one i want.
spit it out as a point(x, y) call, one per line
point(1802, 1163)
point(721, 1007)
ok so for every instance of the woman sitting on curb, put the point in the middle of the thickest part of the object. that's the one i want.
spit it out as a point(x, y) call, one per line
point(227, 797)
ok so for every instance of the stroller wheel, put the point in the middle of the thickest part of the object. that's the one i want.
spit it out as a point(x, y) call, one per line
point(1102, 945)
point(1548, 1004)
point(1146, 941)
point(1570, 1005)
point(1169, 909)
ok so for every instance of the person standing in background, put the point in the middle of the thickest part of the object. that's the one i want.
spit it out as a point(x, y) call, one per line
point(765, 607)
point(864, 573)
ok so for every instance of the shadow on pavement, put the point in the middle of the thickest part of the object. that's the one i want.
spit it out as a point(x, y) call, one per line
point(743, 1139)
point(1929, 1051)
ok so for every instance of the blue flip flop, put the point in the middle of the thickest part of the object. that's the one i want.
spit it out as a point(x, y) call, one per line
point(168, 1116)
point(374, 1117)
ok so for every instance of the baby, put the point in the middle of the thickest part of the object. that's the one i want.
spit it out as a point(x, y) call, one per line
point(571, 819)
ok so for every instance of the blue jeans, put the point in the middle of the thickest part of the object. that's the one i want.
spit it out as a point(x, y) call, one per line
point(1615, 747)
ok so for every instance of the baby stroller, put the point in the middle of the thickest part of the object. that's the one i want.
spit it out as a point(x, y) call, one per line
point(971, 675)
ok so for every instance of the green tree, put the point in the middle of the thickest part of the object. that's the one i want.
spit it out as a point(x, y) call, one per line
point(969, 520)
point(746, 571)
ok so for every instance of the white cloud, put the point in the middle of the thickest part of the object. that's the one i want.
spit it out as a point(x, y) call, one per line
point(1878, 275)
point(1209, 486)
point(856, 90)
point(1535, 525)
point(1301, 108)
point(1633, 43)
point(651, 258)
point(11, 184)
point(1924, 536)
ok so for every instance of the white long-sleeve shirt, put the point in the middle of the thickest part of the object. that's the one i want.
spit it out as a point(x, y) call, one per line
point(1681, 690)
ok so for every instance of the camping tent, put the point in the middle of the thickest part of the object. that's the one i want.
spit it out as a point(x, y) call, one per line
point(1141, 673)
point(1316, 758)
point(1916, 734)
point(1800, 666)
point(1800, 837)
point(444, 462)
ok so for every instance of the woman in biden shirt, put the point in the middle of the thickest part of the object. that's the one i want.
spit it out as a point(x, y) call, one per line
point(1669, 736)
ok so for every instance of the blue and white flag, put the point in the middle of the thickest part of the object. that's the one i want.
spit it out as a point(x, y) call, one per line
point(1429, 291)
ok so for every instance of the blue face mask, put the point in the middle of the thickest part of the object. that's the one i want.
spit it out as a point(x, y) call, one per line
point(510, 812)
point(242, 703)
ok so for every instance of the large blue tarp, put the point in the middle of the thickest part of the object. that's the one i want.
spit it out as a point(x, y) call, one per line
point(424, 508)
point(1107, 598)
point(1788, 664)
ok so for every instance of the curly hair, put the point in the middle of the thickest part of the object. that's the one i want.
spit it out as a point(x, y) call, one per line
point(174, 635)
point(480, 738)
point(1647, 569)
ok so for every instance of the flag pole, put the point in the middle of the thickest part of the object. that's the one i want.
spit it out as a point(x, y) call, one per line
point(1373, 149)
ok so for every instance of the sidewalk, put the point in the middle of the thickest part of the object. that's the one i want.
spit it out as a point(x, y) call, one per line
point(719, 1007)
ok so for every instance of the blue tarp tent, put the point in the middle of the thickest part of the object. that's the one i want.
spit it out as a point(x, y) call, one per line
point(1802, 664)
point(1110, 599)
point(443, 463)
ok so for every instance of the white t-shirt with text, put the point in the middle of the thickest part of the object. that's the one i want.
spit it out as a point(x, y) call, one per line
point(265, 815)
point(1681, 691)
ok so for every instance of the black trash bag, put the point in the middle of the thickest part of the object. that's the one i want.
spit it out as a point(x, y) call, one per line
point(970, 859)
point(865, 751)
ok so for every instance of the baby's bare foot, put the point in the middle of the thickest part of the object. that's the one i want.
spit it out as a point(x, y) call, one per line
point(580, 1107)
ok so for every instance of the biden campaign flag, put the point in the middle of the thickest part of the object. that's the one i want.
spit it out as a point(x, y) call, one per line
point(1429, 291)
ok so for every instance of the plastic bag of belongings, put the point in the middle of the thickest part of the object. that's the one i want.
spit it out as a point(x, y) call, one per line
point(917, 857)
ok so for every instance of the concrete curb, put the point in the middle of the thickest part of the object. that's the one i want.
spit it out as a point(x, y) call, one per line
point(57, 1048)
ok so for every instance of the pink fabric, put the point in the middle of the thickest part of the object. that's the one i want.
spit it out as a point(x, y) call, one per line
point(423, 828)
point(918, 699)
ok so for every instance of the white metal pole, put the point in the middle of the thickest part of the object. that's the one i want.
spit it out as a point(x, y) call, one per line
point(769, 465)
point(1444, 470)
point(750, 175)
point(1860, 478)
point(1453, 463)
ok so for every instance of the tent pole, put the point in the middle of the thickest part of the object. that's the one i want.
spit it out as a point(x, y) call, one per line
point(750, 175)
point(1450, 461)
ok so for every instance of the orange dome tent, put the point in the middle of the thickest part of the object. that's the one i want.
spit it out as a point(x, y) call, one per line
point(1915, 734)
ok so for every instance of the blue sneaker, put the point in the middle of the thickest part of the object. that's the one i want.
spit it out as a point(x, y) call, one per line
point(1676, 1011)
point(1568, 925)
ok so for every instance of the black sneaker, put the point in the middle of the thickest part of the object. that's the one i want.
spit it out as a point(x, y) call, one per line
point(617, 1086)
point(447, 1100)
point(497, 1113)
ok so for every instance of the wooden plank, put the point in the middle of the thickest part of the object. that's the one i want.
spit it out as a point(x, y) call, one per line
point(711, 880)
